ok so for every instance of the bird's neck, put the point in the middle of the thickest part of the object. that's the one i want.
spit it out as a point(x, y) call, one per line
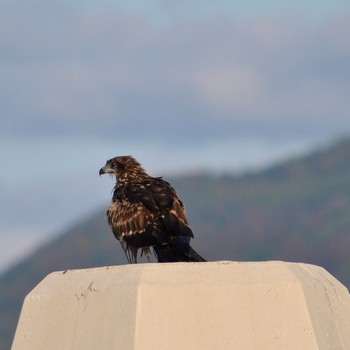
point(132, 176)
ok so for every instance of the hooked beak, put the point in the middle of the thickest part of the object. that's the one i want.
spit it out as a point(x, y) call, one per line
point(105, 170)
point(102, 171)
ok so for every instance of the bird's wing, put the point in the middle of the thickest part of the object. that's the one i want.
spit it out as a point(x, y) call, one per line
point(156, 194)
point(161, 198)
point(147, 214)
point(127, 218)
point(151, 207)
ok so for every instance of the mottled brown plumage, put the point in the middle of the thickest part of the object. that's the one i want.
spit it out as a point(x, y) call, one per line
point(146, 212)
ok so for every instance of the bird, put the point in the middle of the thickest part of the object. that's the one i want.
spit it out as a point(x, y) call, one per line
point(146, 213)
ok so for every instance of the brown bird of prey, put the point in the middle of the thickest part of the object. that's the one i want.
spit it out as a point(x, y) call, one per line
point(147, 212)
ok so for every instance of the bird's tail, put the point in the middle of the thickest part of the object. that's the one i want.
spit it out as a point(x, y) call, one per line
point(195, 256)
point(176, 251)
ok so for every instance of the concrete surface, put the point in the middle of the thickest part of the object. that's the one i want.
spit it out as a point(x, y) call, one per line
point(214, 305)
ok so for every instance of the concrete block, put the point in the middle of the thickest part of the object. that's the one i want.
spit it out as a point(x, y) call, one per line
point(187, 306)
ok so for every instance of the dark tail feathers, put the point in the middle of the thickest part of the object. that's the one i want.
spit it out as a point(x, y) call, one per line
point(176, 251)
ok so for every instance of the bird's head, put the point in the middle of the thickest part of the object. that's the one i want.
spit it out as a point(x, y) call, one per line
point(124, 168)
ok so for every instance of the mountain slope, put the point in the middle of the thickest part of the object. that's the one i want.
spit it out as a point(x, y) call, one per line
point(296, 211)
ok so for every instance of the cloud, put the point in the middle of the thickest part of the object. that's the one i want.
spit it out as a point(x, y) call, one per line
point(66, 70)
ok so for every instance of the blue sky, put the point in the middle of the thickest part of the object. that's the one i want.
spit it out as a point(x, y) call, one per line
point(181, 85)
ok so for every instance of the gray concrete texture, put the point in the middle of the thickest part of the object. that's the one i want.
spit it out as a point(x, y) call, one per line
point(214, 305)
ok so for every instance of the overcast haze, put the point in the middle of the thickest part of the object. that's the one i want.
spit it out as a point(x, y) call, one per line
point(181, 85)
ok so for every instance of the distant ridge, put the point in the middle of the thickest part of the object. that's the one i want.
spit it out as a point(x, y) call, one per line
point(298, 210)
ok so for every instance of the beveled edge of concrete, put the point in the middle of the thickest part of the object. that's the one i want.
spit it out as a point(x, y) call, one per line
point(214, 305)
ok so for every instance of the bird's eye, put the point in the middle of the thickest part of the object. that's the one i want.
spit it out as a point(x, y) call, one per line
point(114, 165)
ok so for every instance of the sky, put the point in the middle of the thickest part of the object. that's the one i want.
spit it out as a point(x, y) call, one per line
point(183, 86)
